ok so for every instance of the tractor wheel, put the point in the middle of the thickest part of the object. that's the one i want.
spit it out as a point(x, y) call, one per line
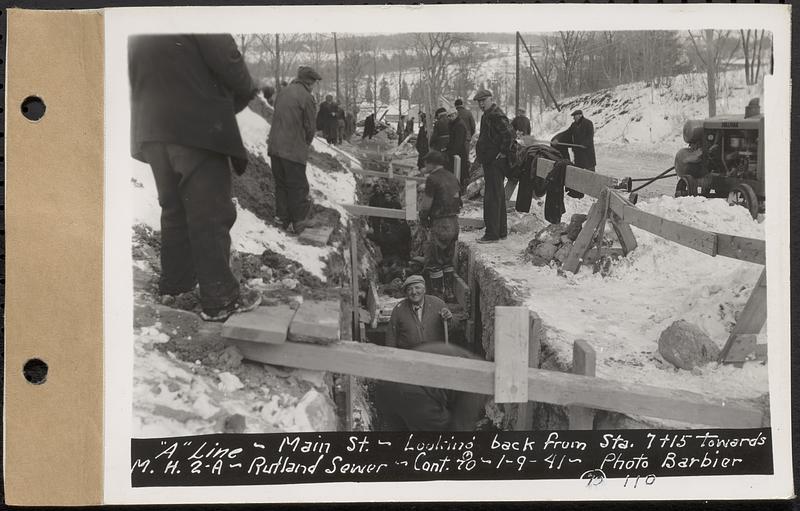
point(744, 195)
point(687, 186)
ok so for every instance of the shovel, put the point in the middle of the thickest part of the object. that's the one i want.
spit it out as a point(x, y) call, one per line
point(446, 332)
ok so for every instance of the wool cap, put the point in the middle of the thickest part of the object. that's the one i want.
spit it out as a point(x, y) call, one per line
point(414, 279)
point(577, 112)
point(307, 73)
point(481, 95)
point(435, 157)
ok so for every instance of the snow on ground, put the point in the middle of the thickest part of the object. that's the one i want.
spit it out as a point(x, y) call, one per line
point(649, 117)
point(623, 314)
point(175, 398)
point(250, 234)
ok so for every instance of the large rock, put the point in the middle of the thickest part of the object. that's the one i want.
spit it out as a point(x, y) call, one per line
point(575, 226)
point(685, 346)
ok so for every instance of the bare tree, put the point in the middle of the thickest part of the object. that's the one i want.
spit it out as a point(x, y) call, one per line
point(434, 52)
point(569, 45)
point(353, 69)
point(715, 59)
point(752, 54)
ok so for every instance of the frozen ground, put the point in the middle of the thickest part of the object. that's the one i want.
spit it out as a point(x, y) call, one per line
point(623, 314)
point(186, 381)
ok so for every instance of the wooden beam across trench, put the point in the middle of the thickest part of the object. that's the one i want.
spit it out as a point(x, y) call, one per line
point(428, 369)
point(357, 209)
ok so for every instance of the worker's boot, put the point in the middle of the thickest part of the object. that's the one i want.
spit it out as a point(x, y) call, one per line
point(436, 277)
point(449, 280)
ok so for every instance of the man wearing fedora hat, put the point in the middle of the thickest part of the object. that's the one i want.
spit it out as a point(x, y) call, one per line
point(580, 133)
point(418, 319)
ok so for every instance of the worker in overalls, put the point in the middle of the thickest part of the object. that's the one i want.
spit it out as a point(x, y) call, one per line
point(418, 319)
point(439, 211)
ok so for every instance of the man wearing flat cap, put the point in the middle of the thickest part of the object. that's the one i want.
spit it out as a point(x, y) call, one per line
point(439, 211)
point(418, 319)
point(293, 128)
point(581, 133)
point(493, 150)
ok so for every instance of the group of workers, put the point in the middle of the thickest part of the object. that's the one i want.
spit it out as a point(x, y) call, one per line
point(186, 90)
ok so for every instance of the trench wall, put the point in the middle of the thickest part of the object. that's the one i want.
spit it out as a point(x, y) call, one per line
point(490, 290)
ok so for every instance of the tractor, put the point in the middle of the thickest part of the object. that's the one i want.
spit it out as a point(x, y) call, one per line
point(724, 158)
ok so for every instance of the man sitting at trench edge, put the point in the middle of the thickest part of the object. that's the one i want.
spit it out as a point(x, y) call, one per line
point(418, 319)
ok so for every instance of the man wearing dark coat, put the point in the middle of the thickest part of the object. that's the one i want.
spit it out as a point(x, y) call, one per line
point(439, 211)
point(492, 151)
point(340, 123)
point(580, 132)
point(422, 141)
point(185, 93)
point(327, 119)
point(441, 131)
point(369, 127)
point(521, 123)
point(418, 319)
point(291, 135)
point(457, 146)
point(466, 116)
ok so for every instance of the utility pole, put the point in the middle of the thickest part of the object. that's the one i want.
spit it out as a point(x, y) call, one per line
point(277, 62)
point(400, 89)
point(516, 76)
point(375, 84)
point(336, 52)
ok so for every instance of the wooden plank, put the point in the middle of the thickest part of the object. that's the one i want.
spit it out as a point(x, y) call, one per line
point(457, 167)
point(357, 209)
point(586, 181)
point(511, 331)
point(411, 201)
point(354, 274)
point(595, 221)
point(461, 290)
point(623, 231)
point(697, 239)
point(524, 420)
point(317, 236)
point(584, 361)
point(262, 325)
point(751, 321)
point(316, 322)
point(511, 185)
point(428, 369)
point(373, 304)
point(385, 175)
point(744, 249)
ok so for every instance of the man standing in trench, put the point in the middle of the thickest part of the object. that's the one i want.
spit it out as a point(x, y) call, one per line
point(439, 211)
point(185, 92)
point(418, 319)
point(291, 134)
point(493, 150)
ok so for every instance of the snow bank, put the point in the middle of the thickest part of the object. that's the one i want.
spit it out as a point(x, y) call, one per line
point(623, 314)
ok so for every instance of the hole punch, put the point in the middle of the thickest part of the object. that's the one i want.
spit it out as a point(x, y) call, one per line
point(33, 108)
point(35, 371)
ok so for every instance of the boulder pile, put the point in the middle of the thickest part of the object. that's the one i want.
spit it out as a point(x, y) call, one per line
point(554, 242)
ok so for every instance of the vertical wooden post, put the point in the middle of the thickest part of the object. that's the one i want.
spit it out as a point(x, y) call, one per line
point(593, 227)
point(511, 331)
point(336, 53)
point(473, 309)
point(457, 167)
point(524, 420)
point(584, 361)
point(391, 170)
point(411, 200)
point(354, 282)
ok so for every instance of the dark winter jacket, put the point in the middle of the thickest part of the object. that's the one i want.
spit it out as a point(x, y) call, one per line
point(529, 184)
point(293, 122)
point(554, 202)
point(522, 123)
point(406, 407)
point(458, 137)
point(406, 331)
point(442, 197)
point(186, 89)
point(581, 132)
point(469, 121)
point(422, 140)
point(441, 133)
point(369, 126)
point(496, 136)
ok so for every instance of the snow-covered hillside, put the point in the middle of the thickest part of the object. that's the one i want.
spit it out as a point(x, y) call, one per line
point(646, 117)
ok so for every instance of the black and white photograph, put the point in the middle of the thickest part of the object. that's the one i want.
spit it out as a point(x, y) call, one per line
point(475, 232)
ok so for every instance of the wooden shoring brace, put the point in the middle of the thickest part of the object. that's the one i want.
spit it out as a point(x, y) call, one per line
point(742, 340)
point(584, 362)
point(591, 233)
point(511, 332)
point(524, 420)
point(411, 200)
point(457, 167)
point(621, 228)
point(348, 381)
